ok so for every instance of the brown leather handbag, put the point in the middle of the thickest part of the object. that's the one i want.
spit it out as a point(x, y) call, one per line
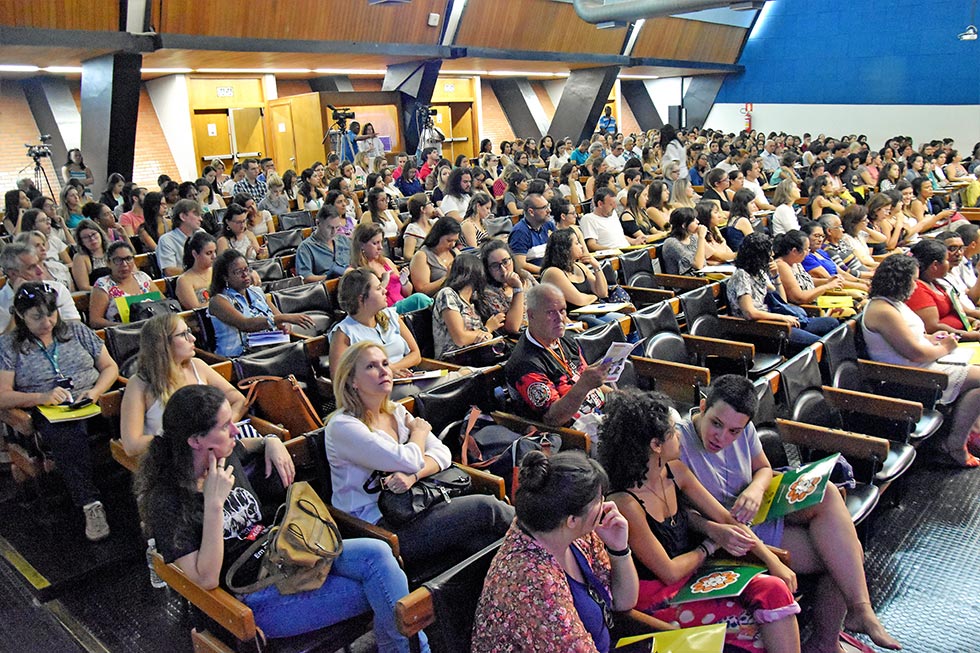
point(281, 401)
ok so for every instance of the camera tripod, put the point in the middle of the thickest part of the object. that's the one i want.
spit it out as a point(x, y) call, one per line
point(39, 175)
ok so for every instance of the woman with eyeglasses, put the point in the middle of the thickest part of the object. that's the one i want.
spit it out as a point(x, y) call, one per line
point(640, 450)
point(408, 183)
point(90, 261)
point(575, 547)
point(123, 280)
point(569, 267)
point(504, 289)
point(237, 308)
point(166, 364)
point(45, 361)
point(193, 288)
point(236, 235)
point(379, 211)
point(54, 270)
point(416, 229)
point(47, 221)
point(455, 320)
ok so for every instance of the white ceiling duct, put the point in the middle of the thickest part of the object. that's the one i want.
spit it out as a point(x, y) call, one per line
point(604, 11)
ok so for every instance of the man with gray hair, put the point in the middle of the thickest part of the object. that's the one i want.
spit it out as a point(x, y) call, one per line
point(770, 160)
point(20, 264)
point(546, 372)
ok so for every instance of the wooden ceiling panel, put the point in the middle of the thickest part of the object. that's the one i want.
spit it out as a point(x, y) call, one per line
point(196, 59)
point(334, 20)
point(689, 40)
point(99, 15)
point(539, 25)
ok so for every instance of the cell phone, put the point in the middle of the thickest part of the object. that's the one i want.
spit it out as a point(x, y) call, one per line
point(81, 403)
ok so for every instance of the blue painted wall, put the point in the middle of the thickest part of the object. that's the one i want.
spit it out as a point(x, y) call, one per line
point(858, 52)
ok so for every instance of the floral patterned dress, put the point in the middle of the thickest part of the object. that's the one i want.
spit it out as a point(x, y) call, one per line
point(112, 289)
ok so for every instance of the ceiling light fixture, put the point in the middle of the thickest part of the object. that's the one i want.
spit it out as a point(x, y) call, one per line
point(166, 71)
point(63, 70)
point(524, 73)
point(15, 68)
point(256, 71)
point(348, 71)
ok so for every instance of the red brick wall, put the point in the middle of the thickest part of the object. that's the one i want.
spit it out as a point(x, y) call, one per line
point(153, 157)
point(628, 124)
point(495, 125)
point(544, 99)
point(19, 128)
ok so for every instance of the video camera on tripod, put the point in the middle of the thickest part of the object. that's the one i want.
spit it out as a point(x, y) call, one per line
point(39, 150)
point(341, 116)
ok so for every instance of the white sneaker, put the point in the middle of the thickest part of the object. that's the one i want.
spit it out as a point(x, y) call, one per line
point(96, 526)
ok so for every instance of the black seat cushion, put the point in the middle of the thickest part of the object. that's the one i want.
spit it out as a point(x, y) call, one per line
point(699, 302)
point(123, 341)
point(303, 299)
point(655, 319)
point(295, 220)
point(668, 346)
point(283, 243)
point(269, 269)
point(420, 324)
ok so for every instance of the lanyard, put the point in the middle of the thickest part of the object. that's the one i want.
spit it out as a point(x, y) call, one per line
point(562, 360)
point(52, 356)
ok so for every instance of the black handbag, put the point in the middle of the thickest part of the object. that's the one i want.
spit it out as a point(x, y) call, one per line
point(401, 509)
point(146, 310)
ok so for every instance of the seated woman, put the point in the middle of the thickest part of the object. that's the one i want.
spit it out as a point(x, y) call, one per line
point(194, 285)
point(640, 451)
point(166, 364)
point(210, 200)
point(889, 176)
point(956, 173)
point(512, 203)
point(103, 216)
point(417, 227)
point(894, 333)
point(408, 183)
point(634, 219)
point(46, 362)
point(70, 206)
point(431, 263)
point(569, 185)
point(933, 299)
point(685, 251)
point(504, 289)
point(784, 198)
point(154, 224)
point(473, 230)
point(883, 217)
point(90, 261)
point(369, 432)
point(755, 277)
point(709, 214)
point(822, 200)
point(455, 320)
point(236, 235)
point(576, 548)
point(367, 251)
point(53, 269)
point(237, 309)
point(380, 214)
point(658, 205)
point(715, 184)
point(580, 283)
point(39, 219)
point(739, 218)
point(856, 236)
point(193, 480)
point(310, 194)
point(922, 209)
point(257, 222)
point(682, 194)
point(819, 264)
point(123, 280)
point(276, 202)
point(790, 249)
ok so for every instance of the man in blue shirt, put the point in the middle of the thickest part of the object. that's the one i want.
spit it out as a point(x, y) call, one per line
point(607, 124)
point(529, 237)
point(325, 254)
point(580, 154)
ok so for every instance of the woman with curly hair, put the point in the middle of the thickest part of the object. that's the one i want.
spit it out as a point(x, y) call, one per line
point(639, 449)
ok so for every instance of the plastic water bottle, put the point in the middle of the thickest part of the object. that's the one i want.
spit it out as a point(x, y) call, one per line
point(155, 580)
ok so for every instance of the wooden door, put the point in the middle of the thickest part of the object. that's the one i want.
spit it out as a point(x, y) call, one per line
point(212, 138)
point(283, 137)
point(443, 121)
point(462, 122)
point(248, 135)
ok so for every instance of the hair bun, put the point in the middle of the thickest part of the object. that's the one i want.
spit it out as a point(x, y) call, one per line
point(535, 469)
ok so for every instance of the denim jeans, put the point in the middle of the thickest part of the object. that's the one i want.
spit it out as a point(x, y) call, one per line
point(365, 577)
point(815, 328)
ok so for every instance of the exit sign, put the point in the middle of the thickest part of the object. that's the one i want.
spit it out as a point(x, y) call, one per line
point(226, 91)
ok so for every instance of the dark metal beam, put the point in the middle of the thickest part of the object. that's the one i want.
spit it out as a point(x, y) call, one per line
point(515, 96)
point(683, 63)
point(110, 107)
point(700, 97)
point(416, 81)
point(234, 44)
point(539, 55)
point(74, 38)
point(582, 99)
point(332, 84)
point(635, 93)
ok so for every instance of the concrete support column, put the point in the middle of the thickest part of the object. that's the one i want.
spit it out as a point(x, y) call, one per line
point(641, 104)
point(582, 100)
point(416, 81)
point(700, 97)
point(521, 106)
point(110, 107)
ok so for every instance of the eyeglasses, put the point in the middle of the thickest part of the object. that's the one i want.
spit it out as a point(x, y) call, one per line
point(121, 260)
point(238, 222)
point(91, 236)
point(952, 249)
point(500, 264)
point(546, 207)
point(607, 615)
point(240, 272)
point(186, 334)
point(35, 291)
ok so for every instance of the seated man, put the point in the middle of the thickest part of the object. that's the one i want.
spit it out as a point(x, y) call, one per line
point(546, 371)
point(529, 237)
point(170, 247)
point(720, 445)
point(20, 264)
point(601, 228)
point(325, 254)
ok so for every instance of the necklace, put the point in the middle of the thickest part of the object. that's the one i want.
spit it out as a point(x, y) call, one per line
point(663, 497)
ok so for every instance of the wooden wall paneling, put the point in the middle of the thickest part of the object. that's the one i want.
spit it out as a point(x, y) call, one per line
point(305, 129)
point(342, 20)
point(382, 109)
point(212, 92)
point(690, 40)
point(453, 89)
point(518, 26)
point(96, 15)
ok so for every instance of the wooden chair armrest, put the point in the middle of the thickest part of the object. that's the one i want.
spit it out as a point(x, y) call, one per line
point(434, 364)
point(204, 641)
point(351, 526)
point(812, 310)
point(760, 328)
point(901, 374)
point(871, 404)
point(414, 612)
point(472, 348)
point(266, 427)
point(485, 482)
point(120, 456)
point(702, 346)
point(18, 419)
point(570, 437)
point(680, 282)
point(676, 380)
point(218, 604)
point(646, 296)
point(852, 445)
